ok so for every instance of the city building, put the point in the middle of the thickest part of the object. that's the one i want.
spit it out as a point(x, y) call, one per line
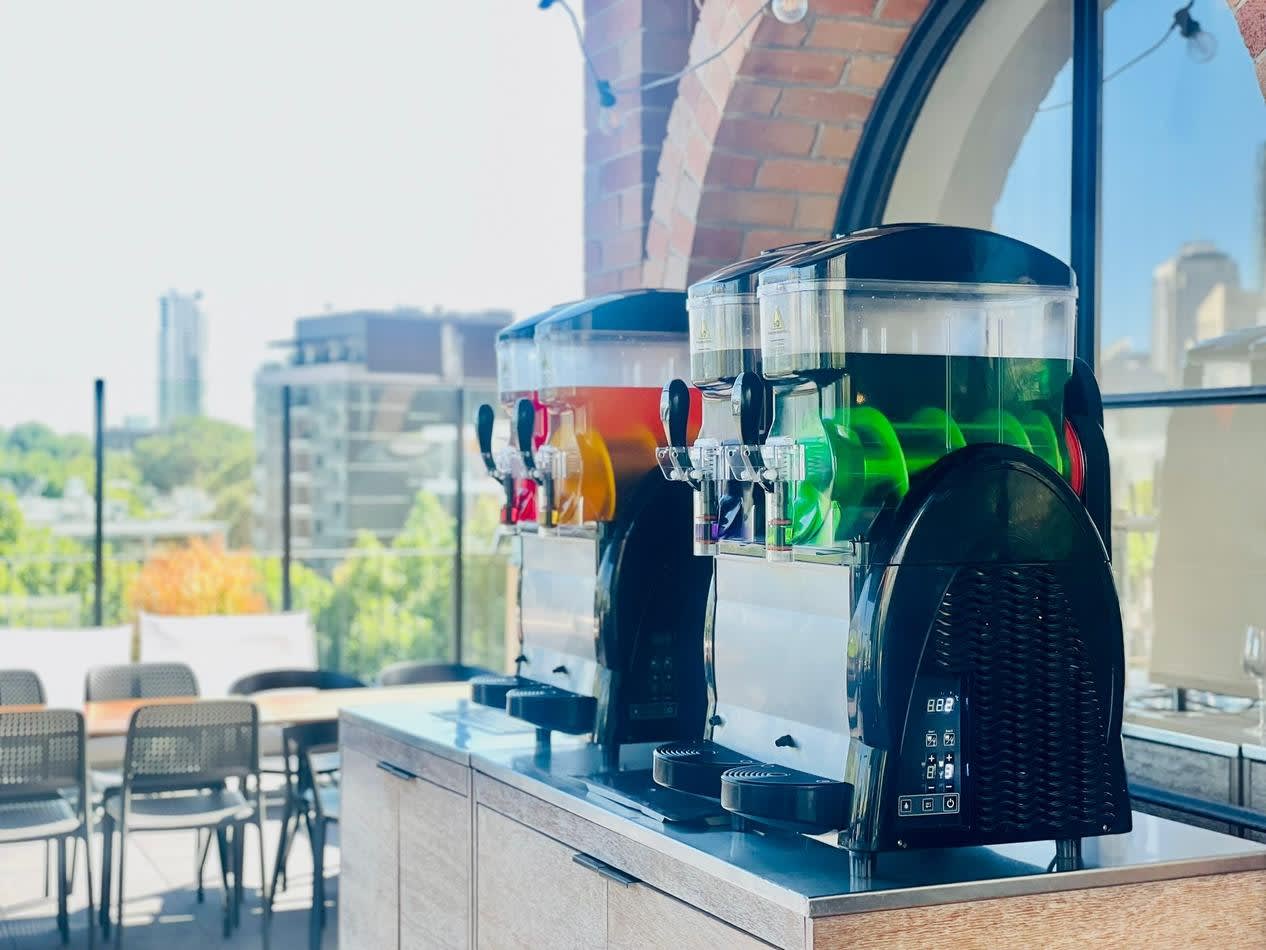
point(181, 355)
point(1179, 286)
point(375, 401)
point(1227, 308)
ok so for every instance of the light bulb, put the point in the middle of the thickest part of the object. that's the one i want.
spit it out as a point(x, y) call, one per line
point(1202, 46)
point(789, 11)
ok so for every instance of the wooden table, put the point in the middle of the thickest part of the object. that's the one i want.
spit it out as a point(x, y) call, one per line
point(284, 708)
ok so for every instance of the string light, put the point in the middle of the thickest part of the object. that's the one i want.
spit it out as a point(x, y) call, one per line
point(792, 11)
point(1201, 47)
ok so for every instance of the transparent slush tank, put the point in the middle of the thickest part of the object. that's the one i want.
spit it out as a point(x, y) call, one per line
point(601, 389)
point(904, 373)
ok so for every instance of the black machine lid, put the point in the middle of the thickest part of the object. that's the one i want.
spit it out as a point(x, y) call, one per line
point(740, 277)
point(525, 328)
point(925, 253)
point(656, 311)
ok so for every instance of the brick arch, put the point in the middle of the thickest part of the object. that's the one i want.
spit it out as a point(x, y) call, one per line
point(759, 141)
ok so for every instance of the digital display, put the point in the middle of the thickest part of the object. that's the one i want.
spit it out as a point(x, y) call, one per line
point(941, 704)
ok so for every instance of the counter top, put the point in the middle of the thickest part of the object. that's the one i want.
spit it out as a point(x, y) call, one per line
point(1204, 730)
point(805, 875)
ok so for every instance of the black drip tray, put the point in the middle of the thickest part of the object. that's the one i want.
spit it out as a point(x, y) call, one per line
point(696, 767)
point(636, 789)
point(552, 708)
point(489, 689)
point(786, 798)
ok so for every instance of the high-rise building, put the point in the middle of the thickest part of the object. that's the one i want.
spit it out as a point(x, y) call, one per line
point(378, 401)
point(181, 353)
point(1179, 286)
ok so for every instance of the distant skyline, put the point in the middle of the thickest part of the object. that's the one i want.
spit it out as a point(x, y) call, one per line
point(283, 157)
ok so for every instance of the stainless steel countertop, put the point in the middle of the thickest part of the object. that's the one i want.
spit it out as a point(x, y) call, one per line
point(803, 874)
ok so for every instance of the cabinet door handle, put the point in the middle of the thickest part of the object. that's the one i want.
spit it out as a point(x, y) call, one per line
point(606, 870)
point(395, 770)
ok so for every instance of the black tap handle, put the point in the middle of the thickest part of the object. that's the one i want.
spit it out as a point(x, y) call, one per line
point(674, 411)
point(747, 401)
point(483, 431)
point(524, 428)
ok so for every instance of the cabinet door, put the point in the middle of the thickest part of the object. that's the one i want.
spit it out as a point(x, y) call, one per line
point(369, 858)
point(641, 918)
point(434, 867)
point(530, 894)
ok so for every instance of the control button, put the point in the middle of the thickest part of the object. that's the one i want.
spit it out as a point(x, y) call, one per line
point(949, 756)
point(905, 806)
point(951, 803)
point(929, 740)
point(949, 737)
point(928, 803)
point(931, 758)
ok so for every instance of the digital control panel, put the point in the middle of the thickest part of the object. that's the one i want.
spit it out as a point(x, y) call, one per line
point(655, 695)
point(931, 774)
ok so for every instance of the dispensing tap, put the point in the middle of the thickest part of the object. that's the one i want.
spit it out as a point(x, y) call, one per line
point(772, 464)
point(695, 465)
point(502, 473)
point(524, 427)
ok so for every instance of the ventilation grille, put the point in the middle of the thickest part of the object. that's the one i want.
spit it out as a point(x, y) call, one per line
point(1035, 726)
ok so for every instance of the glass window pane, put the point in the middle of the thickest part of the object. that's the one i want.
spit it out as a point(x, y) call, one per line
point(1183, 228)
point(485, 567)
point(1189, 540)
point(991, 147)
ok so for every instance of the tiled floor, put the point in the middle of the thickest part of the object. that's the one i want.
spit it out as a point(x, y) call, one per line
point(160, 909)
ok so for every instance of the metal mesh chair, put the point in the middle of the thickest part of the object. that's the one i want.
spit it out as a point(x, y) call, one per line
point(267, 680)
point(317, 802)
point(412, 672)
point(177, 767)
point(41, 757)
point(21, 688)
point(323, 763)
point(139, 681)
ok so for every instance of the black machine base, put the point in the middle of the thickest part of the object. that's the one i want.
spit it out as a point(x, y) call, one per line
point(490, 689)
point(785, 798)
point(695, 767)
point(548, 707)
point(636, 789)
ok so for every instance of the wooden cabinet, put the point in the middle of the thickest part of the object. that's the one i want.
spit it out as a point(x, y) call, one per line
point(405, 865)
point(531, 893)
point(534, 891)
point(434, 867)
point(639, 917)
point(369, 855)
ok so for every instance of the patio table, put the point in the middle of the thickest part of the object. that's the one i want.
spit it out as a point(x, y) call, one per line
point(111, 717)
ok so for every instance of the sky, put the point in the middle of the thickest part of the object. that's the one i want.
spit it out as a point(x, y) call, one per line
point(1180, 142)
point(283, 158)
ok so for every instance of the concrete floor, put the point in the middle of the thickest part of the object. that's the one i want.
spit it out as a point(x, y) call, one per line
point(160, 909)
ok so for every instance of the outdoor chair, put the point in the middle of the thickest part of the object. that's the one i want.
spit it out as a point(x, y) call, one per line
point(139, 681)
point(323, 763)
point(412, 672)
point(317, 803)
point(41, 757)
point(21, 688)
point(177, 768)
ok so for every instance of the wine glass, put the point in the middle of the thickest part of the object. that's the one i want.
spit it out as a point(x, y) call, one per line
point(1254, 663)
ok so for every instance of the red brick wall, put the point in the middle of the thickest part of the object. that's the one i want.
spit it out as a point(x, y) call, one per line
point(753, 149)
point(1251, 16)
point(632, 42)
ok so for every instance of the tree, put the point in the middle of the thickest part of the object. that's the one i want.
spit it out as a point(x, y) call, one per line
point(210, 454)
point(198, 579)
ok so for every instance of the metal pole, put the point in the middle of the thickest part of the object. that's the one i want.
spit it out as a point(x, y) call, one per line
point(1087, 163)
point(285, 497)
point(459, 475)
point(98, 497)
